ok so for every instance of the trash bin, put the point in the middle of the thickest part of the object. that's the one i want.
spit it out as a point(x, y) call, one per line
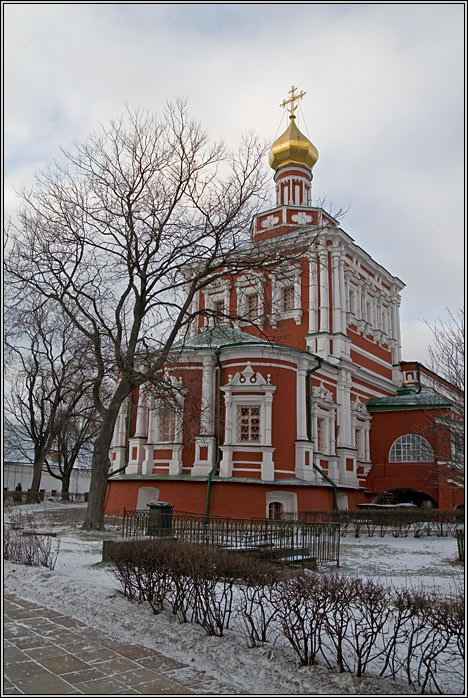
point(159, 519)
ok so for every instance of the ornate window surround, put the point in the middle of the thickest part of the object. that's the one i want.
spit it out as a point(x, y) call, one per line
point(219, 291)
point(323, 407)
point(248, 388)
point(287, 499)
point(177, 399)
point(236, 394)
point(279, 280)
point(253, 283)
point(361, 421)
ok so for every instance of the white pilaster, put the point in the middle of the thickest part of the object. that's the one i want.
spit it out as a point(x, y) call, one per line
point(268, 466)
point(366, 444)
point(301, 412)
point(141, 427)
point(336, 290)
point(207, 397)
point(396, 335)
point(312, 295)
point(324, 298)
point(267, 422)
point(345, 438)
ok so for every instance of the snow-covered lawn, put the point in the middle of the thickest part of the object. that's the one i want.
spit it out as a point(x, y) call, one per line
point(83, 587)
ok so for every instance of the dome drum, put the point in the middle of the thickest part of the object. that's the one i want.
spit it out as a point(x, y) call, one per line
point(293, 169)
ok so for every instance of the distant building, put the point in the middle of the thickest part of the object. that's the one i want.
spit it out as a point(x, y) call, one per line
point(306, 404)
point(18, 461)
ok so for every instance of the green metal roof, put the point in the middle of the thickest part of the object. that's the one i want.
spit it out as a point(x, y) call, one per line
point(220, 336)
point(407, 400)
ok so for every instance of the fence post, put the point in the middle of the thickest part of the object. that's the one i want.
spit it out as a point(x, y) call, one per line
point(461, 544)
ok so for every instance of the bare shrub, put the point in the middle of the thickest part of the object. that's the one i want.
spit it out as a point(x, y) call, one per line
point(34, 550)
point(142, 569)
point(256, 605)
point(196, 582)
point(302, 605)
point(427, 642)
point(353, 625)
point(369, 613)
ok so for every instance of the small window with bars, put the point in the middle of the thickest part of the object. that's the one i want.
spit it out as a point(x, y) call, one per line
point(167, 420)
point(251, 306)
point(321, 435)
point(218, 308)
point(275, 510)
point(359, 443)
point(287, 298)
point(248, 423)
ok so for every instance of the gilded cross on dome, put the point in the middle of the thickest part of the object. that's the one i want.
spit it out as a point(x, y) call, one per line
point(294, 98)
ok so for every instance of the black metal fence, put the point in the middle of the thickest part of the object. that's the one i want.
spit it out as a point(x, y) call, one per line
point(394, 521)
point(282, 541)
point(28, 496)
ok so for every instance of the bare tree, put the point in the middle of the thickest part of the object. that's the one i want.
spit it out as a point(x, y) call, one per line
point(447, 359)
point(335, 211)
point(124, 236)
point(46, 379)
point(447, 350)
point(77, 425)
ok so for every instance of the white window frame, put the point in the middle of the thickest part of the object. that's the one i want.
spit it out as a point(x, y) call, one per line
point(287, 499)
point(170, 412)
point(217, 293)
point(246, 286)
point(176, 402)
point(323, 407)
point(236, 394)
point(279, 281)
point(361, 421)
point(250, 416)
point(242, 400)
point(178, 422)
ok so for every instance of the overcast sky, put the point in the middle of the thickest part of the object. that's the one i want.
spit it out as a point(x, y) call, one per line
point(384, 107)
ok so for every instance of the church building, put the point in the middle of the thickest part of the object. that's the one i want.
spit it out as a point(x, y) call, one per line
point(290, 394)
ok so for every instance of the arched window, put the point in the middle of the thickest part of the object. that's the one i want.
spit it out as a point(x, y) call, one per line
point(279, 502)
point(411, 448)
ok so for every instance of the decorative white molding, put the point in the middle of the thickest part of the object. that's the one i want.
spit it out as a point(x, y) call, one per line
point(238, 392)
point(302, 218)
point(279, 280)
point(247, 285)
point(269, 222)
point(287, 499)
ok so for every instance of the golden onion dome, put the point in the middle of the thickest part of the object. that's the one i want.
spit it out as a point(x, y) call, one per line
point(293, 147)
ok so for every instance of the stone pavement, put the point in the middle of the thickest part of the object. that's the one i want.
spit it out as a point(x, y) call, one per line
point(48, 653)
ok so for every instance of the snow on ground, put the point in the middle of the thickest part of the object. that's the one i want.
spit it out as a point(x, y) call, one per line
point(430, 562)
point(83, 587)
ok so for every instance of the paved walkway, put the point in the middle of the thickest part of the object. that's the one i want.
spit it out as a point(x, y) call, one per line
point(47, 653)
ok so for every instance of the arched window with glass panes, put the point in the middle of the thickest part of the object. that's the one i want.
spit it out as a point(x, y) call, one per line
point(411, 448)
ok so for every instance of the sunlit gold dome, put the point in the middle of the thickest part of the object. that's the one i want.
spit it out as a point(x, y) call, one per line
point(293, 147)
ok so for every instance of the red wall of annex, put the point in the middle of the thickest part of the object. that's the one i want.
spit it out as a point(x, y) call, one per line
point(242, 500)
point(386, 427)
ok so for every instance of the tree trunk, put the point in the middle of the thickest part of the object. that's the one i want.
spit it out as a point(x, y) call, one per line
point(94, 519)
point(65, 494)
point(40, 455)
point(33, 492)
